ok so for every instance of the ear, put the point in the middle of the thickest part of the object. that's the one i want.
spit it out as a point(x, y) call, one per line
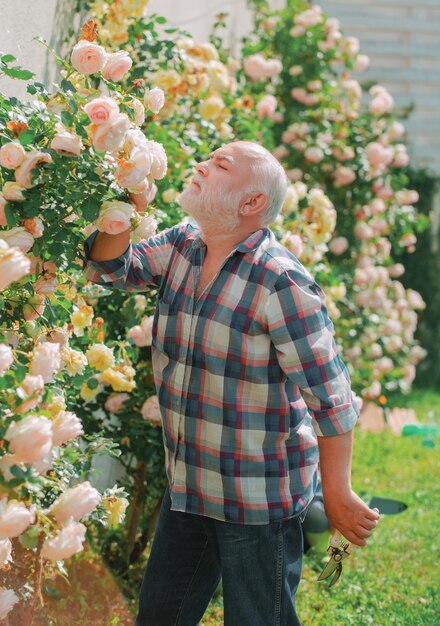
point(253, 204)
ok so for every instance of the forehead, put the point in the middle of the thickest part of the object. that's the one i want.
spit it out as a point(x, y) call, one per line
point(236, 152)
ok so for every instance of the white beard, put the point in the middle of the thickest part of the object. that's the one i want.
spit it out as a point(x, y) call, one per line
point(211, 209)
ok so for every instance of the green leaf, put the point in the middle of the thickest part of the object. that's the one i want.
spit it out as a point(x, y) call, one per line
point(18, 73)
point(67, 118)
point(90, 209)
point(26, 137)
point(8, 58)
point(29, 539)
point(66, 85)
point(10, 215)
point(92, 383)
point(161, 20)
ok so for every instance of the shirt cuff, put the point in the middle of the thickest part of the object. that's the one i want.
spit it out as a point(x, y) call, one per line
point(336, 421)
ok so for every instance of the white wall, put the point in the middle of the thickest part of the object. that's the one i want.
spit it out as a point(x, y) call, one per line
point(402, 39)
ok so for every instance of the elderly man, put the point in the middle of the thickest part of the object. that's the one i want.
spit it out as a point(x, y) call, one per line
point(251, 388)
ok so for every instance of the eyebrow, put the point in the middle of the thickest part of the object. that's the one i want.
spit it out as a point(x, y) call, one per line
point(222, 157)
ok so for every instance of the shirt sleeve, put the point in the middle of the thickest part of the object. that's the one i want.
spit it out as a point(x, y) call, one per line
point(142, 265)
point(303, 336)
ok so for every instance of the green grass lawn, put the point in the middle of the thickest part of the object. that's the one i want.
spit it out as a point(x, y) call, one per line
point(395, 579)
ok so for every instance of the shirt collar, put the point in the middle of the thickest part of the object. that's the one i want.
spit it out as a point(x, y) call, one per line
point(249, 244)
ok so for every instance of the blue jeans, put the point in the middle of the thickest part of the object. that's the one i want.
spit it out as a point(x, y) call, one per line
point(260, 567)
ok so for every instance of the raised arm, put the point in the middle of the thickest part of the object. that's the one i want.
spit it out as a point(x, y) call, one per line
point(107, 247)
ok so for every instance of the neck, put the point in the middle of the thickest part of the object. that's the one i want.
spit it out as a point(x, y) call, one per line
point(219, 244)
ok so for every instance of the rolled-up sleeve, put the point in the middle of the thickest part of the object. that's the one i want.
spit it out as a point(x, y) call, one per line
point(142, 265)
point(303, 336)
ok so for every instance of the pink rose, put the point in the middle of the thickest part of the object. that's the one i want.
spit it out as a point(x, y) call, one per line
point(115, 217)
point(46, 360)
point(6, 357)
point(34, 226)
point(378, 155)
point(363, 231)
point(109, 136)
point(118, 64)
point(266, 106)
point(151, 411)
point(344, 176)
point(255, 67)
point(273, 68)
point(401, 157)
point(65, 543)
point(313, 154)
point(75, 503)
point(101, 110)
point(338, 245)
point(373, 391)
point(5, 553)
point(362, 63)
point(309, 18)
point(3, 220)
point(131, 172)
point(14, 518)
point(88, 57)
point(297, 31)
point(139, 111)
point(12, 155)
point(407, 196)
point(30, 393)
point(155, 99)
point(115, 402)
point(293, 243)
point(31, 438)
point(8, 598)
point(67, 143)
point(66, 426)
point(13, 265)
point(145, 229)
point(23, 174)
point(142, 335)
point(280, 152)
point(12, 191)
point(382, 101)
point(159, 160)
point(18, 237)
point(45, 284)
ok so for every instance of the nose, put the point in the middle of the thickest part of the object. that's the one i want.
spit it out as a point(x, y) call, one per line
point(202, 169)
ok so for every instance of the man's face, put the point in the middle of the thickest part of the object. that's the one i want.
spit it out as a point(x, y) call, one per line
point(213, 196)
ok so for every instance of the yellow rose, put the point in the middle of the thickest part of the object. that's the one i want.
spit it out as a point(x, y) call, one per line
point(81, 319)
point(211, 108)
point(74, 360)
point(119, 378)
point(169, 195)
point(219, 77)
point(166, 79)
point(115, 509)
point(88, 394)
point(100, 357)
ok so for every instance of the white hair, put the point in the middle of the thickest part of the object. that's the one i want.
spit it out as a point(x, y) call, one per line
point(268, 177)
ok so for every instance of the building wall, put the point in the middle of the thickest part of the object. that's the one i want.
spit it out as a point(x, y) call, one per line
point(402, 39)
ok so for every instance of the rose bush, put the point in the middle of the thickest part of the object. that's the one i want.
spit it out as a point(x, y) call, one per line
point(61, 158)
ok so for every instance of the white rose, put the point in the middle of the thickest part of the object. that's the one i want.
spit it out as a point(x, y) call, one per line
point(15, 517)
point(67, 542)
point(46, 360)
point(30, 439)
point(77, 503)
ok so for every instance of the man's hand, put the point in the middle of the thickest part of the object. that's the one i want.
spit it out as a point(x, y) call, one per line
point(345, 510)
point(351, 516)
point(143, 199)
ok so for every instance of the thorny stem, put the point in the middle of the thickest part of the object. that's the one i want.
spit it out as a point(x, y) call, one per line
point(37, 580)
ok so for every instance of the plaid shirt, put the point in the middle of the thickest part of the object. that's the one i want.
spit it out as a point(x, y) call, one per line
point(247, 375)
